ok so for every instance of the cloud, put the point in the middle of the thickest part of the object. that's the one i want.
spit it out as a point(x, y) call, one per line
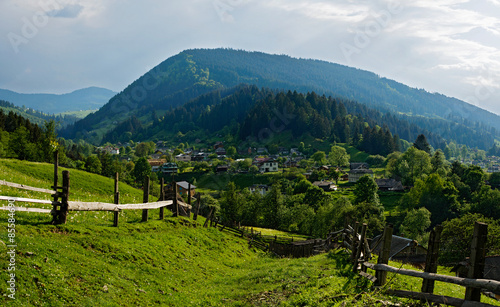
point(69, 11)
point(447, 46)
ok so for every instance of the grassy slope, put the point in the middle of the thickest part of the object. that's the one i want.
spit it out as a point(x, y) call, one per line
point(172, 263)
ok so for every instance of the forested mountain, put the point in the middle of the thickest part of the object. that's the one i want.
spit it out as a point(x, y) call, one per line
point(192, 73)
point(255, 116)
point(91, 98)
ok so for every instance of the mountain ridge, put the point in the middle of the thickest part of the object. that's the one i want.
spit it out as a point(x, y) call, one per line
point(194, 72)
point(90, 98)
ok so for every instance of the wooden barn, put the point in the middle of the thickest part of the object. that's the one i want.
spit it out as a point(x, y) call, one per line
point(402, 249)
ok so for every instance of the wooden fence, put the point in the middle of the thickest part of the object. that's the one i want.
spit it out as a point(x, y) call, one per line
point(61, 204)
point(355, 241)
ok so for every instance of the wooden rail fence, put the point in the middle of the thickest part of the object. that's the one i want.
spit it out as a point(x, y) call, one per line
point(62, 205)
point(355, 241)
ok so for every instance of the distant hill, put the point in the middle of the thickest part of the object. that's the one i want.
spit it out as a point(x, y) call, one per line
point(39, 118)
point(91, 98)
point(192, 73)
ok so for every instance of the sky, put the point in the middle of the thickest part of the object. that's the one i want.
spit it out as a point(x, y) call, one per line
point(446, 46)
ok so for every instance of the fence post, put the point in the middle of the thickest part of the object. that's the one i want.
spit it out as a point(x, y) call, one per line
point(477, 256)
point(63, 213)
point(383, 258)
point(188, 211)
point(360, 247)
point(175, 205)
point(198, 203)
point(116, 201)
point(354, 241)
point(145, 198)
point(432, 258)
point(56, 193)
point(162, 197)
point(56, 166)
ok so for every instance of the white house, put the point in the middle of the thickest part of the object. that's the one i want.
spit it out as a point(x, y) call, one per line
point(266, 165)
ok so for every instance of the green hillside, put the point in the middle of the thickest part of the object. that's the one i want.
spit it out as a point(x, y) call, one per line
point(174, 262)
point(37, 117)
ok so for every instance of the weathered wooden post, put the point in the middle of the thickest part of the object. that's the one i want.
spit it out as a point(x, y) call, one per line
point(188, 211)
point(383, 258)
point(432, 258)
point(175, 205)
point(198, 204)
point(208, 218)
point(55, 209)
point(477, 255)
point(360, 247)
point(63, 213)
point(116, 213)
point(354, 241)
point(145, 198)
point(162, 197)
point(56, 166)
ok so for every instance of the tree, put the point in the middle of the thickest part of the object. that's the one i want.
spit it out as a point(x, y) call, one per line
point(437, 195)
point(21, 145)
point(142, 149)
point(367, 207)
point(487, 202)
point(338, 156)
point(230, 204)
point(422, 144)
point(365, 190)
point(319, 157)
point(141, 169)
point(474, 177)
point(409, 166)
point(231, 151)
point(415, 223)
point(273, 203)
point(93, 165)
point(457, 234)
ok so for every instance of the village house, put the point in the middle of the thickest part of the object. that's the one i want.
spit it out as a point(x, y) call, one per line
point(259, 188)
point(183, 157)
point(327, 186)
point(261, 151)
point(169, 168)
point(156, 164)
point(266, 164)
point(402, 249)
point(183, 188)
point(491, 269)
point(358, 172)
point(389, 185)
point(221, 168)
point(220, 151)
point(199, 156)
point(110, 150)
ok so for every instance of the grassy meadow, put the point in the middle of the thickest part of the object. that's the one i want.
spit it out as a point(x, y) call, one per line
point(170, 262)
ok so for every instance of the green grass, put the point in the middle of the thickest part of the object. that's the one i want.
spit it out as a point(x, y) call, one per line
point(282, 234)
point(356, 154)
point(77, 114)
point(173, 262)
